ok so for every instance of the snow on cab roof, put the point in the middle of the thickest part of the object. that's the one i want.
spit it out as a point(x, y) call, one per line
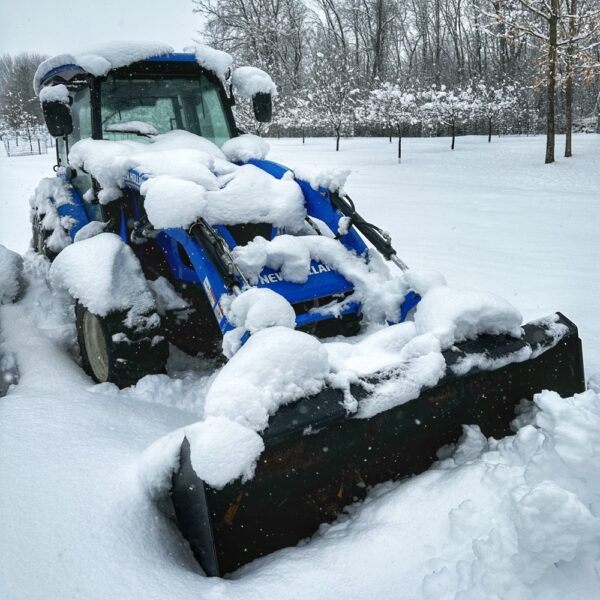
point(100, 59)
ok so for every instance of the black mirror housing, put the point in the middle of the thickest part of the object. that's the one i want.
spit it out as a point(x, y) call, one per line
point(263, 107)
point(59, 120)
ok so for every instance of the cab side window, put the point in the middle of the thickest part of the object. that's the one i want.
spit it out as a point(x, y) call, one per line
point(82, 128)
point(82, 115)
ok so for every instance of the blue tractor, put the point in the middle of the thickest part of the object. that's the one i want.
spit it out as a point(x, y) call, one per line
point(297, 486)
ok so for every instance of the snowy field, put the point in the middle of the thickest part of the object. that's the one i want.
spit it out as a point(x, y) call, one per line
point(514, 519)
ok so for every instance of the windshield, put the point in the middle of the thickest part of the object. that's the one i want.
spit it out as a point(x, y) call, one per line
point(190, 103)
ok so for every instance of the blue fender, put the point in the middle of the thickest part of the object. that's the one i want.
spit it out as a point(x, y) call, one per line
point(75, 209)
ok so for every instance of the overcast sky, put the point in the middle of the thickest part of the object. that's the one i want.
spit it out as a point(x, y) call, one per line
point(57, 26)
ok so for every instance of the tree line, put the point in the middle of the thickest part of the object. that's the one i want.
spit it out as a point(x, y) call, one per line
point(394, 109)
point(328, 56)
point(20, 110)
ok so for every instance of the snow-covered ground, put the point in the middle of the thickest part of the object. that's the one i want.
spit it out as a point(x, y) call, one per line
point(515, 519)
point(18, 177)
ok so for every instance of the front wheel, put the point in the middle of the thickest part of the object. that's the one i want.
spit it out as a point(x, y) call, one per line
point(112, 352)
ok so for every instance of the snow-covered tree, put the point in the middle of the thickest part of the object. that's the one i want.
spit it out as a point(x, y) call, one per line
point(493, 103)
point(20, 109)
point(554, 26)
point(447, 107)
point(266, 34)
point(334, 96)
point(301, 113)
point(578, 30)
point(394, 107)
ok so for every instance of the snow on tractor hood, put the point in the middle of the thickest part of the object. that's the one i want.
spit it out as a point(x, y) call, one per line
point(185, 177)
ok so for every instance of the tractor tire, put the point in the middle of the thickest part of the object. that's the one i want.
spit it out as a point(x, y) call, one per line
point(112, 352)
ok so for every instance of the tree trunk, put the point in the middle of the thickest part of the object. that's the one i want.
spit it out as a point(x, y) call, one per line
point(453, 134)
point(569, 82)
point(551, 82)
point(399, 143)
point(568, 114)
point(489, 129)
point(303, 135)
point(337, 140)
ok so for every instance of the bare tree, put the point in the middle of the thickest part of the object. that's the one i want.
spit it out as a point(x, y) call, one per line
point(420, 42)
point(19, 106)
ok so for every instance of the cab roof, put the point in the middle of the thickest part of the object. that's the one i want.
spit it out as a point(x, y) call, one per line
point(102, 59)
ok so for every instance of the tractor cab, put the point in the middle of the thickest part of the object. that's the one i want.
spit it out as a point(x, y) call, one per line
point(142, 99)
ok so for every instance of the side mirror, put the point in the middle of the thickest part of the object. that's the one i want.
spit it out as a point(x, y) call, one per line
point(263, 107)
point(58, 118)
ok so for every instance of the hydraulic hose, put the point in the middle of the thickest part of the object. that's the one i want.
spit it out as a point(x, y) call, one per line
point(377, 236)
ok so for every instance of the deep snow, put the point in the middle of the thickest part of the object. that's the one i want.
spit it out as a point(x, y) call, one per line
point(517, 519)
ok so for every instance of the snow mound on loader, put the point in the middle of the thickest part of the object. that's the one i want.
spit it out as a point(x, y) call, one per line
point(328, 179)
point(253, 310)
point(450, 314)
point(275, 366)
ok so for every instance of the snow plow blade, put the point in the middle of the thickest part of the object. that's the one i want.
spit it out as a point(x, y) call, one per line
point(304, 480)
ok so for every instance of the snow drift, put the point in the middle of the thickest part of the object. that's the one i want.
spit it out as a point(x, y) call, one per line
point(513, 518)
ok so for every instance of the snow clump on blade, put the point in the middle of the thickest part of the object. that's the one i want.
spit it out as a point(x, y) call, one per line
point(104, 275)
point(459, 315)
point(245, 147)
point(249, 81)
point(221, 451)
point(11, 265)
point(275, 366)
